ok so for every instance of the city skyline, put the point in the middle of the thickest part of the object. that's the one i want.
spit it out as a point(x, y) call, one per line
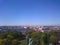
point(29, 12)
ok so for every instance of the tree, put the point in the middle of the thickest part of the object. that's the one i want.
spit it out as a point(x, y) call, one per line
point(3, 41)
point(53, 39)
point(15, 42)
point(36, 37)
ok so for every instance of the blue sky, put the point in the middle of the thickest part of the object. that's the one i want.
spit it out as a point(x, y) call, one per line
point(29, 12)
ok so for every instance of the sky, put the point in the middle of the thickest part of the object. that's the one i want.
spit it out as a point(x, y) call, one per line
point(29, 12)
